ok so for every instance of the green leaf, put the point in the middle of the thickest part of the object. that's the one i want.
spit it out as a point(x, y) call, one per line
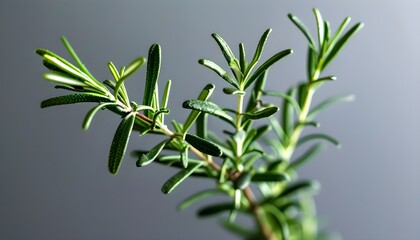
point(337, 34)
point(149, 157)
point(256, 93)
point(242, 57)
point(152, 76)
point(110, 84)
point(320, 27)
point(52, 59)
point(166, 93)
point(330, 101)
point(266, 65)
point(292, 101)
point(302, 27)
point(217, 69)
point(114, 71)
point(215, 209)
point(64, 79)
point(239, 230)
point(93, 111)
point(306, 156)
point(134, 66)
point(71, 99)
point(316, 136)
point(312, 123)
point(260, 47)
point(270, 177)
point(197, 197)
point(317, 83)
point(204, 96)
point(312, 62)
point(277, 129)
point(281, 220)
point(52, 66)
point(175, 180)
point(262, 112)
point(120, 142)
point(250, 157)
point(224, 47)
point(288, 116)
point(184, 157)
point(131, 68)
point(203, 145)
point(201, 125)
point(75, 57)
point(327, 36)
point(299, 187)
point(208, 107)
point(233, 91)
point(341, 43)
point(327, 78)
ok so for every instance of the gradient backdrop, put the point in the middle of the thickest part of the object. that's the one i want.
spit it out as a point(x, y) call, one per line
point(54, 182)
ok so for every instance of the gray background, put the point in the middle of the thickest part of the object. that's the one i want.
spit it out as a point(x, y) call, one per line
point(54, 182)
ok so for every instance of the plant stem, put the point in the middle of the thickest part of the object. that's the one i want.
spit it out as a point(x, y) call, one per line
point(294, 137)
point(256, 209)
point(239, 112)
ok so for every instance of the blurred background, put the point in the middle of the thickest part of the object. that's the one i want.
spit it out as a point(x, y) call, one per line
point(54, 182)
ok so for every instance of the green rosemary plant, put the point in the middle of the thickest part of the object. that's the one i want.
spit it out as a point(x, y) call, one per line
point(256, 182)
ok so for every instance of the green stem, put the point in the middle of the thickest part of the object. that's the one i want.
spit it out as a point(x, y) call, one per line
point(303, 115)
point(239, 110)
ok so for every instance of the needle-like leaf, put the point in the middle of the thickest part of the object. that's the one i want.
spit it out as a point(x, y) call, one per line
point(149, 157)
point(129, 70)
point(330, 101)
point(152, 75)
point(203, 96)
point(288, 115)
point(93, 111)
point(312, 62)
point(215, 209)
point(302, 27)
point(281, 221)
point(292, 101)
point(203, 145)
point(64, 79)
point(201, 125)
point(266, 65)
point(337, 34)
point(224, 47)
point(184, 157)
point(301, 186)
point(242, 57)
point(270, 177)
point(197, 197)
point(178, 178)
point(320, 26)
point(259, 50)
point(233, 91)
point(217, 69)
point(208, 107)
point(75, 57)
point(341, 43)
point(316, 136)
point(72, 98)
point(263, 112)
point(306, 156)
point(120, 142)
